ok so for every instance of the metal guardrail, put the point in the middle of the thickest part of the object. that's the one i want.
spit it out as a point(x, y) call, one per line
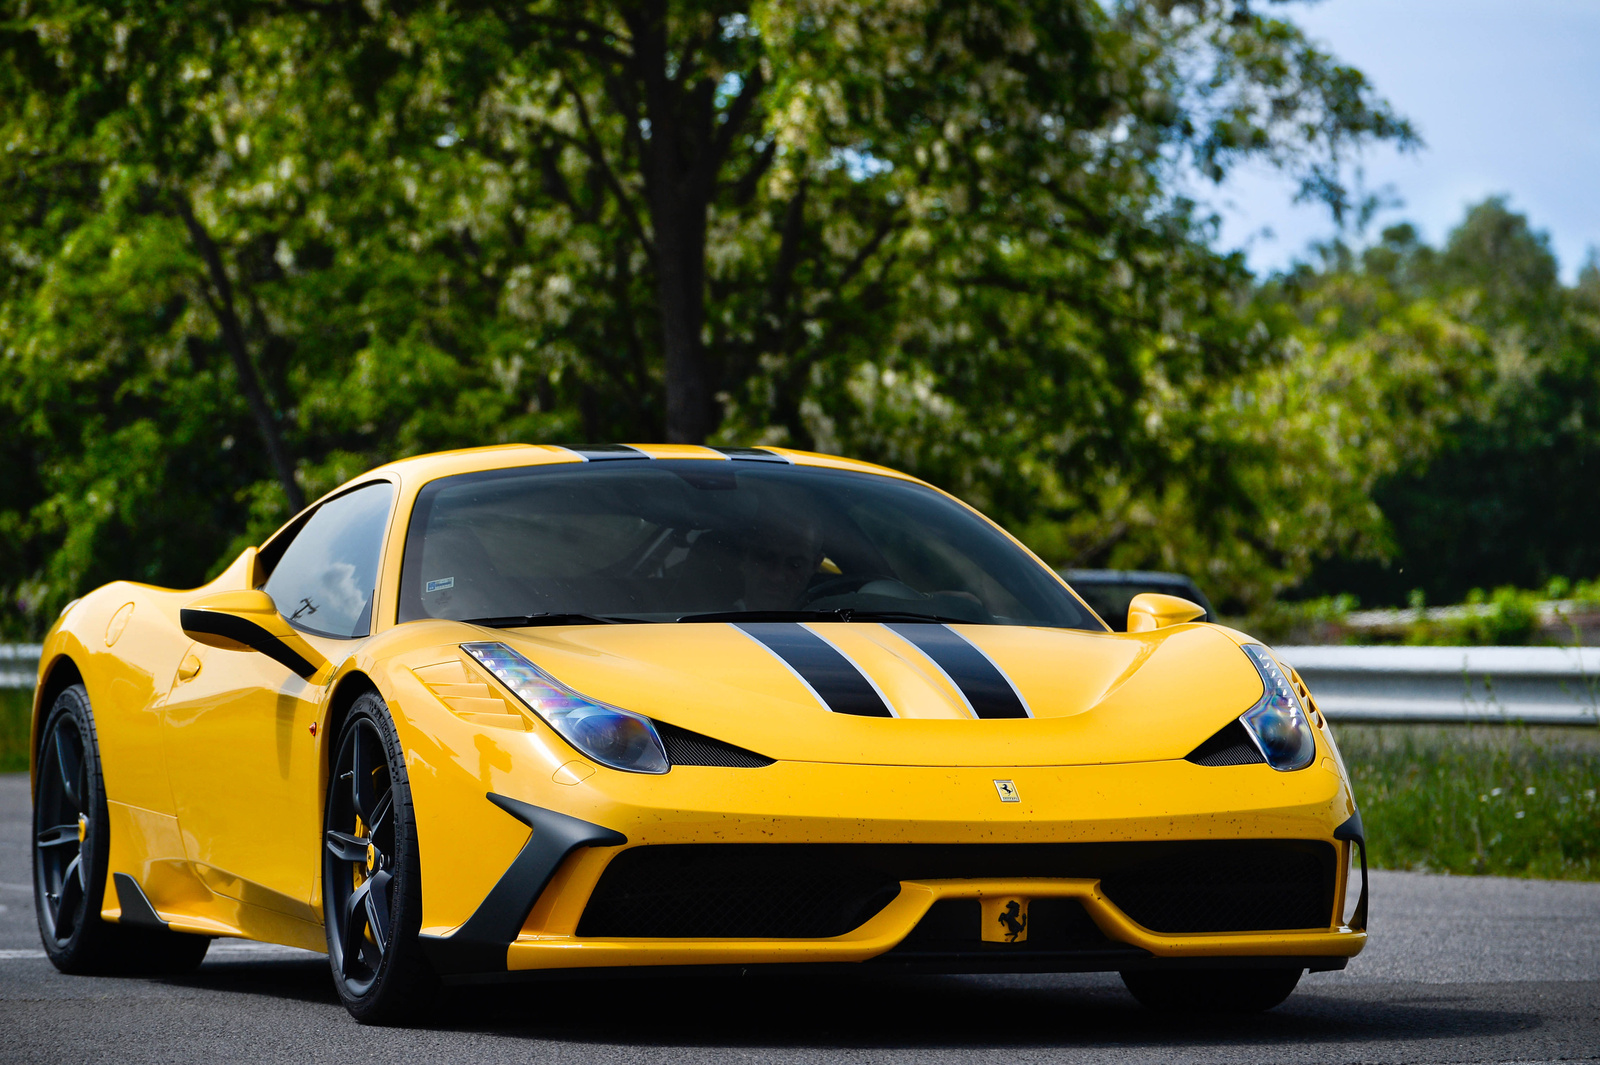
point(19, 665)
point(1536, 685)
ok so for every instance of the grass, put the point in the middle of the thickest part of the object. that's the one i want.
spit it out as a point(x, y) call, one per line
point(1504, 800)
point(15, 706)
point(1500, 799)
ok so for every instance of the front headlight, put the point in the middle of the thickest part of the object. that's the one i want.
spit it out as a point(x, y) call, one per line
point(1278, 723)
point(610, 735)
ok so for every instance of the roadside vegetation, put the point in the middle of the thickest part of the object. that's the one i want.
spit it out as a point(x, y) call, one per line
point(1501, 800)
point(14, 708)
point(1561, 614)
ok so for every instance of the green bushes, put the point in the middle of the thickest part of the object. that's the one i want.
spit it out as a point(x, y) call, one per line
point(1493, 799)
point(1560, 614)
point(15, 707)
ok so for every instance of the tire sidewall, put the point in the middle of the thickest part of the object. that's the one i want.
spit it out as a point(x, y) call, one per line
point(82, 949)
point(403, 972)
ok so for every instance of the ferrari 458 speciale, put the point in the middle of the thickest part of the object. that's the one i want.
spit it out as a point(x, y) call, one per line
point(524, 710)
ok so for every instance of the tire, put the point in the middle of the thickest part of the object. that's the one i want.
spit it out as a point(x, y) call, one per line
point(371, 875)
point(71, 845)
point(1211, 990)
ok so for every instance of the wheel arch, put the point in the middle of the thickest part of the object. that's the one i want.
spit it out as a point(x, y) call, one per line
point(61, 674)
point(350, 687)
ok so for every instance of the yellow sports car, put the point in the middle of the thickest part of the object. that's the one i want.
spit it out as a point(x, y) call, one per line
point(521, 710)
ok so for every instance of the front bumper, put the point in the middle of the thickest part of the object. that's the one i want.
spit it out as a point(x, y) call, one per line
point(529, 920)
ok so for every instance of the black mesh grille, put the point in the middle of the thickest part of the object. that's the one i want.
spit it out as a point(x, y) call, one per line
point(738, 891)
point(816, 890)
point(1255, 889)
point(1230, 746)
point(691, 748)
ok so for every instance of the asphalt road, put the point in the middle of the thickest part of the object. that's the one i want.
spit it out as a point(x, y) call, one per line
point(1460, 970)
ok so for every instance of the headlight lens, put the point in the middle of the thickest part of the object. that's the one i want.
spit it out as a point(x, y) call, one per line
point(610, 735)
point(1278, 723)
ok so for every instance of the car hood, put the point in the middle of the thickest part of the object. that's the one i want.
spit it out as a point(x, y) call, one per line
point(1091, 698)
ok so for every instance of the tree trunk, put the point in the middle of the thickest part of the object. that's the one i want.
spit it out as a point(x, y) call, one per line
point(678, 174)
point(222, 305)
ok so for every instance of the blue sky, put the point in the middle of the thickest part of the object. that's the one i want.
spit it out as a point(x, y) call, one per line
point(1506, 95)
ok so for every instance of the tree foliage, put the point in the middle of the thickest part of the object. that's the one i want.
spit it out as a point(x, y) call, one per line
point(251, 247)
point(1508, 494)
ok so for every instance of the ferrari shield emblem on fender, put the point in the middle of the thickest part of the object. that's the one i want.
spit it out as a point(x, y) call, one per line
point(1007, 790)
point(1005, 920)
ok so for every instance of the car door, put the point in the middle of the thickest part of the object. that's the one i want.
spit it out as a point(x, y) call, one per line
point(242, 757)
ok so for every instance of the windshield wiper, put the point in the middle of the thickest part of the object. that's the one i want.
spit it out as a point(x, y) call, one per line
point(842, 614)
point(908, 615)
point(528, 621)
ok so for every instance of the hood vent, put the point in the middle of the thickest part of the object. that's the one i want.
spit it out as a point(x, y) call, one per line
point(1230, 746)
point(691, 748)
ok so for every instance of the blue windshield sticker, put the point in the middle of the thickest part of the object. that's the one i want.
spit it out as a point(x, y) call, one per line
point(439, 585)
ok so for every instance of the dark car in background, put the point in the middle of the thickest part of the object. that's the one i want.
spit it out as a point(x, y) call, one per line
point(1109, 591)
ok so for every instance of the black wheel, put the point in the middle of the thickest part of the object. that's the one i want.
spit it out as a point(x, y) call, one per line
point(371, 886)
point(70, 850)
point(1211, 990)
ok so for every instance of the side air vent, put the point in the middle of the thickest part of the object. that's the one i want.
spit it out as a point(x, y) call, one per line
point(691, 748)
point(1230, 746)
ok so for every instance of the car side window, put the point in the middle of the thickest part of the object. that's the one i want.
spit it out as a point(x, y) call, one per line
point(324, 580)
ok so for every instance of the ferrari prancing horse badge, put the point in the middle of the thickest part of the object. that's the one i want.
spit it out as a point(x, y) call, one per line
point(1007, 790)
point(1005, 920)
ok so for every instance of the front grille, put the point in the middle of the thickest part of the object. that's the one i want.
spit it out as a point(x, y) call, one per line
point(817, 890)
point(1256, 889)
point(736, 891)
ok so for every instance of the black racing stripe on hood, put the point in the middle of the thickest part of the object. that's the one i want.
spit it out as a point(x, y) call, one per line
point(832, 677)
point(987, 690)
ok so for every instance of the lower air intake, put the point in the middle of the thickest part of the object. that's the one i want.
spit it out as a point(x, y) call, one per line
point(815, 890)
point(737, 892)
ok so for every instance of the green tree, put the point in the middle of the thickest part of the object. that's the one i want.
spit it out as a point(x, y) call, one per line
point(1507, 495)
point(256, 246)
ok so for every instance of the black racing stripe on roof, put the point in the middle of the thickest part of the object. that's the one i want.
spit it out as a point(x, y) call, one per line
point(752, 454)
point(831, 676)
point(602, 452)
point(986, 688)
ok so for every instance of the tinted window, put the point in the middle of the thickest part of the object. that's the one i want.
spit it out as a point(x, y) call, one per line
point(658, 540)
point(324, 580)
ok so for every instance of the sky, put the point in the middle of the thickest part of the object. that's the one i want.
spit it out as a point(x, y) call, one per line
point(1506, 96)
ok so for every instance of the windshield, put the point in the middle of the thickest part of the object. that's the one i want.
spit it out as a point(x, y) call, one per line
point(669, 540)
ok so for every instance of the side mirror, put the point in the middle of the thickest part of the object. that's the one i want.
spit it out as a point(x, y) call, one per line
point(249, 621)
point(1152, 610)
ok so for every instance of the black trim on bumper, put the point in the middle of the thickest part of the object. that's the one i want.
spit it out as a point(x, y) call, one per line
point(480, 945)
point(1353, 832)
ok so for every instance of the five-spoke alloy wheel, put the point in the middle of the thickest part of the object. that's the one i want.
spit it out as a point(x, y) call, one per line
point(371, 896)
point(63, 852)
point(70, 852)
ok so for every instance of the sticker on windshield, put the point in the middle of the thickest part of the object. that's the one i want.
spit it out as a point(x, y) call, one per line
point(439, 585)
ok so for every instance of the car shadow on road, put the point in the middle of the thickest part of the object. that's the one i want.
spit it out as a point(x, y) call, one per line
point(943, 1012)
point(299, 979)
